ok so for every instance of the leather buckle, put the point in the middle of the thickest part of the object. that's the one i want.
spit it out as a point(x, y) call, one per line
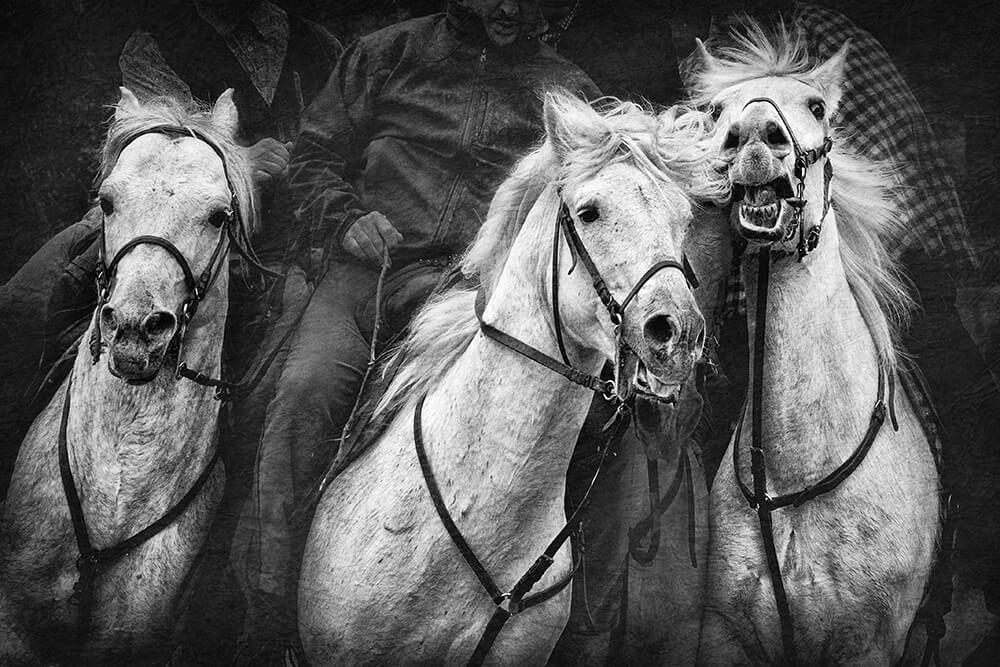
point(508, 605)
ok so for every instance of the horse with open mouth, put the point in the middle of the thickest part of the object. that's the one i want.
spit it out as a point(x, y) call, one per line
point(118, 478)
point(825, 512)
point(447, 539)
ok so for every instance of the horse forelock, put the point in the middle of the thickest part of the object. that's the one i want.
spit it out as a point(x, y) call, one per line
point(755, 51)
point(167, 111)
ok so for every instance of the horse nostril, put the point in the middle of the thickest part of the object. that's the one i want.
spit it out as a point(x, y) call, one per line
point(159, 324)
point(775, 134)
point(108, 319)
point(659, 329)
point(732, 139)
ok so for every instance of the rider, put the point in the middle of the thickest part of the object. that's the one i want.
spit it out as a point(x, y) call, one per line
point(400, 154)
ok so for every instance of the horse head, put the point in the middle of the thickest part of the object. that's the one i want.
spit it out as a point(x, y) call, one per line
point(626, 180)
point(167, 200)
point(774, 108)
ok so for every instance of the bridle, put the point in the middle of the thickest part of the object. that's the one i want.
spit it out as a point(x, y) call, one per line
point(519, 597)
point(803, 160)
point(197, 288)
point(757, 497)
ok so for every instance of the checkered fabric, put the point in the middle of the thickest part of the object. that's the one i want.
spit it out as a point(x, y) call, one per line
point(882, 120)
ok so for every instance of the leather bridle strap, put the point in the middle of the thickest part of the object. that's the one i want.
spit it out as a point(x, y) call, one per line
point(90, 558)
point(518, 598)
point(658, 505)
point(758, 498)
point(605, 388)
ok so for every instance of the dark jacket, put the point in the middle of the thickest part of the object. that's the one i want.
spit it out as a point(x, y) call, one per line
point(199, 55)
point(421, 121)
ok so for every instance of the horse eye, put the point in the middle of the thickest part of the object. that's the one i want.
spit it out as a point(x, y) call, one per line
point(817, 109)
point(715, 111)
point(106, 206)
point(218, 218)
point(589, 214)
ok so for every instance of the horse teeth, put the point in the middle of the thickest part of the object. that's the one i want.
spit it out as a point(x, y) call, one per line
point(759, 215)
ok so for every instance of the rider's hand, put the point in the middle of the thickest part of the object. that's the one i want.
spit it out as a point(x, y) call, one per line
point(369, 236)
point(268, 160)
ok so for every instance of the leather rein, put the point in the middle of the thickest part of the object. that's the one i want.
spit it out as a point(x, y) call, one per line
point(519, 598)
point(91, 558)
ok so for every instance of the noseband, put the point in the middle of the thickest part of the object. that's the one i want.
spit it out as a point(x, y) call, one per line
point(198, 287)
point(803, 160)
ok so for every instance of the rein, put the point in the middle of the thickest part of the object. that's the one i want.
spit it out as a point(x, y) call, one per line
point(91, 558)
point(758, 498)
point(197, 288)
point(518, 599)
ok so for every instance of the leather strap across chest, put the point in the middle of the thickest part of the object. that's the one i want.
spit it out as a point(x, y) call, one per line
point(758, 498)
point(91, 558)
point(519, 597)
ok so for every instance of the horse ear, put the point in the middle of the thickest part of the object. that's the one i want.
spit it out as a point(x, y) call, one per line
point(127, 105)
point(224, 115)
point(555, 125)
point(830, 76)
point(700, 59)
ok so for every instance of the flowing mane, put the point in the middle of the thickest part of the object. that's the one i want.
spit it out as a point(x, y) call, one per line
point(670, 147)
point(750, 51)
point(169, 111)
point(869, 215)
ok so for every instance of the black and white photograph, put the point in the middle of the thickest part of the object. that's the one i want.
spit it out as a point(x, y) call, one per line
point(500, 332)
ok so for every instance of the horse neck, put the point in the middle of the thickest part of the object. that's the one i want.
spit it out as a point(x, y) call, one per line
point(820, 365)
point(514, 423)
point(136, 450)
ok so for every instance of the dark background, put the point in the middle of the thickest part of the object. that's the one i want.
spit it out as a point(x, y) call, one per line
point(60, 71)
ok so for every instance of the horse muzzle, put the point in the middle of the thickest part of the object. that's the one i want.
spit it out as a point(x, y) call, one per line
point(671, 343)
point(137, 346)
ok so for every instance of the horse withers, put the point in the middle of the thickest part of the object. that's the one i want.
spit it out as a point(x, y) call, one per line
point(825, 512)
point(484, 422)
point(117, 480)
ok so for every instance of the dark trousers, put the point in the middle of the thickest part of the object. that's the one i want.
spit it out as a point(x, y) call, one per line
point(44, 308)
point(315, 395)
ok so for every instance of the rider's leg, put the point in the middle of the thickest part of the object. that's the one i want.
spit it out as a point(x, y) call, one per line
point(51, 294)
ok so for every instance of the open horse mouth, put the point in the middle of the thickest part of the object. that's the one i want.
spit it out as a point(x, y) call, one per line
point(650, 387)
point(760, 209)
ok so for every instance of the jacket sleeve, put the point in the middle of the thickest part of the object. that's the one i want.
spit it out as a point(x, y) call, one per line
point(145, 71)
point(330, 147)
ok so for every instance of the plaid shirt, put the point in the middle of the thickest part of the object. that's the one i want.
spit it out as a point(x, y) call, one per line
point(883, 121)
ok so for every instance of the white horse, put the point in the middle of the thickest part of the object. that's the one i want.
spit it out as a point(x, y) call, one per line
point(126, 443)
point(382, 581)
point(851, 559)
